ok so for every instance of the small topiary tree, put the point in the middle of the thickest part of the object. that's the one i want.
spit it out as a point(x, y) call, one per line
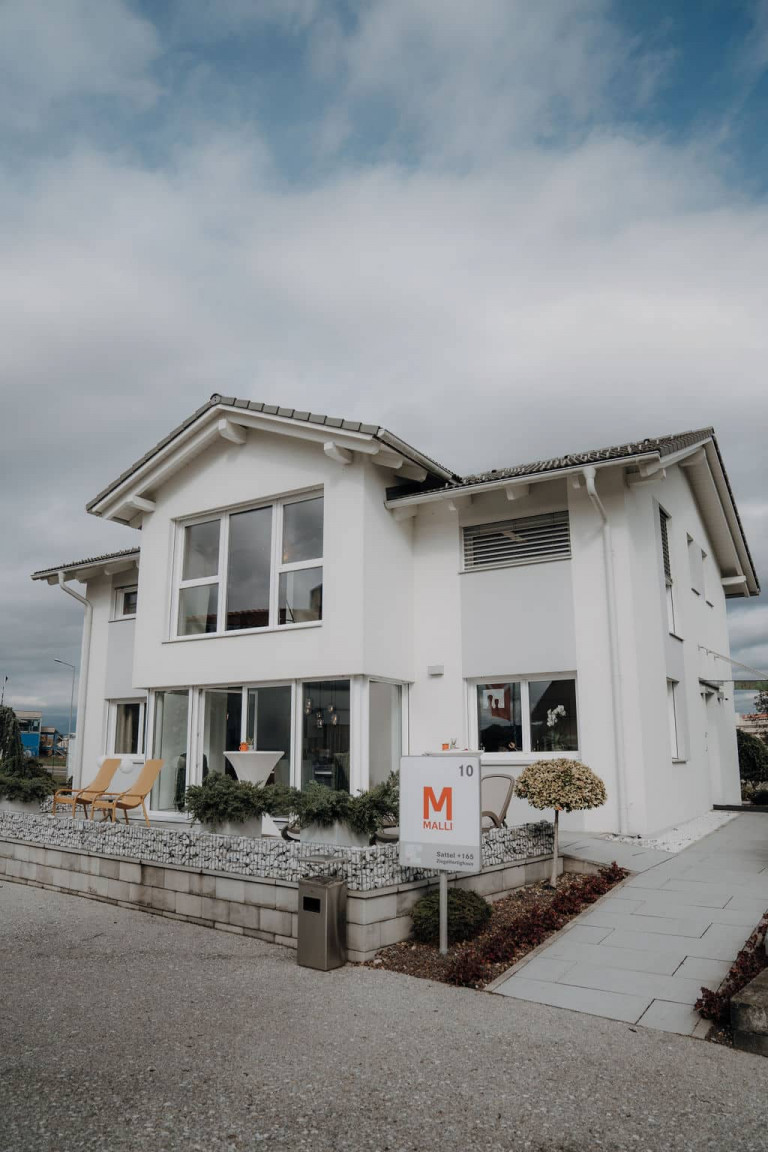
point(753, 757)
point(566, 786)
point(468, 912)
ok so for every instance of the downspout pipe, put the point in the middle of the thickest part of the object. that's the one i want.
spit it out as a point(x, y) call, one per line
point(590, 475)
point(82, 687)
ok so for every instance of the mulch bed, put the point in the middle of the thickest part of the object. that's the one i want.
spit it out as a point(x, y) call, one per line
point(519, 923)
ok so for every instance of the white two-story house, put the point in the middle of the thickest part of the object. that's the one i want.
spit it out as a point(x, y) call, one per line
point(319, 587)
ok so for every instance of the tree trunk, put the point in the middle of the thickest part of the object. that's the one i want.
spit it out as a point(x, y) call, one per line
point(555, 846)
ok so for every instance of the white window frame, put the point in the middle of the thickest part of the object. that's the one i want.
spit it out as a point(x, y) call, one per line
point(140, 754)
point(668, 579)
point(277, 567)
point(358, 736)
point(673, 719)
point(525, 755)
point(120, 594)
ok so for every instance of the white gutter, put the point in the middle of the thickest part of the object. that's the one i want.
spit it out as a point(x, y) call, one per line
point(82, 686)
point(589, 475)
point(478, 487)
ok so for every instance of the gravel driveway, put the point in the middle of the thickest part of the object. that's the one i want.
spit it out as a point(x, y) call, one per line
point(122, 1030)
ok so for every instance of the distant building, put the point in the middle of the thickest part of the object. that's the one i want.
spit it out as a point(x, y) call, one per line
point(29, 726)
point(754, 722)
point(50, 741)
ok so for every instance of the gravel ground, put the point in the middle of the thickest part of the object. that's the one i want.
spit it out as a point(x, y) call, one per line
point(122, 1030)
point(681, 835)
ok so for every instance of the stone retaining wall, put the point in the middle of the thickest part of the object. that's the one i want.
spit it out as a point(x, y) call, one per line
point(249, 887)
point(364, 869)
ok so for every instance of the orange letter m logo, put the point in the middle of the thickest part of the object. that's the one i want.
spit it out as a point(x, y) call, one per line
point(436, 804)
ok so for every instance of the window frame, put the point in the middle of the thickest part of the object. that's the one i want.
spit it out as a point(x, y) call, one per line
point(665, 556)
point(114, 705)
point(673, 720)
point(119, 603)
point(277, 567)
point(525, 754)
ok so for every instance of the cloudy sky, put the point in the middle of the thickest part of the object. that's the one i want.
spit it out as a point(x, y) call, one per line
point(502, 229)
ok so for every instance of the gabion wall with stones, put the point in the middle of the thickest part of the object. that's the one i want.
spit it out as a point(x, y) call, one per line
point(364, 869)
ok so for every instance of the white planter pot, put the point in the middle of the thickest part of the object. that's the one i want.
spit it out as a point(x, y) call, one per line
point(338, 834)
point(251, 828)
point(28, 806)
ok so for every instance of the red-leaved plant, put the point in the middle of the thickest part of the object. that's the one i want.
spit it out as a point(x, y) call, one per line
point(473, 963)
point(749, 963)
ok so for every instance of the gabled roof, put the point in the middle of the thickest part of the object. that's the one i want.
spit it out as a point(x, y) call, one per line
point(329, 423)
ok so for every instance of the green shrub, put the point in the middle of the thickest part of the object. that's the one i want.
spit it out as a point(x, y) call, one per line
point(27, 788)
point(364, 813)
point(753, 757)
point(220, 798)
point(468, 913)
point(759, 792)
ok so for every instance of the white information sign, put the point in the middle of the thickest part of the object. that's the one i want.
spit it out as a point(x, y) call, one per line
point(440, 812)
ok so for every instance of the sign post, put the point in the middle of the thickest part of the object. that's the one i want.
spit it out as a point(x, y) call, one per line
point(440, 824)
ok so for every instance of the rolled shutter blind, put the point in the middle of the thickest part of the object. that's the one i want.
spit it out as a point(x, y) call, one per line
point(529, 540)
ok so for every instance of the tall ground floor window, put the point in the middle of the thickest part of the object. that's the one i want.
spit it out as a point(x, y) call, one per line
point(341, 733)
point(170, 739)
point(325, 734)
point(526, 715)
point(385, 730)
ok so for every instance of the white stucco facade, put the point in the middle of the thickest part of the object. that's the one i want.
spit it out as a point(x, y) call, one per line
point(401, 606)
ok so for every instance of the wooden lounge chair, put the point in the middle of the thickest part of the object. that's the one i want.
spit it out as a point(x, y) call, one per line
point(86, 796)
point(133, 797)
point(496, 791)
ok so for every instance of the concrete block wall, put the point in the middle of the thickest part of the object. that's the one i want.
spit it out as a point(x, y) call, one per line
point(264, 908)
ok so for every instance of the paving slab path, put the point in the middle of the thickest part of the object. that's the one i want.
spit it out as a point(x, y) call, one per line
point(125, 1032)
point(643, 953)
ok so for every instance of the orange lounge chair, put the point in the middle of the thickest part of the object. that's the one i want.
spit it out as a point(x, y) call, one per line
point(133, 797)
point(86, 796)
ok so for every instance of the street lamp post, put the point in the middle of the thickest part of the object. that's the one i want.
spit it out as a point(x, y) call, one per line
point(71, 702)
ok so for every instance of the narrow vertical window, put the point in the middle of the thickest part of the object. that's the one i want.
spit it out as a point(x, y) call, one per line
point(301, 571)
point(199, 592)
point(248, 571)
point(664, 534)
point(674, 733)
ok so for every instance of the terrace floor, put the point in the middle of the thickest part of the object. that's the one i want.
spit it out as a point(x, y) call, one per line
point(643, 953)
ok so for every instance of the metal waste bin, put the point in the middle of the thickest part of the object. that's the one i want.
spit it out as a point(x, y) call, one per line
point(322, 930)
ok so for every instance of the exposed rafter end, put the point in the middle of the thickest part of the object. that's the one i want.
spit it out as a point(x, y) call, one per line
point(141, 504)
point(340, 455)
point(231, 432)
point(113, 569)
point(413, 472)
point(732, 581)
point(638, 480)
point(406, 513)
point(458, 502)
point(387, 459)
point(517, 491)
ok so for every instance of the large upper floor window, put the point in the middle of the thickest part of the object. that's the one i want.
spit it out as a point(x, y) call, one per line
point(256, 568)
point(528, 540)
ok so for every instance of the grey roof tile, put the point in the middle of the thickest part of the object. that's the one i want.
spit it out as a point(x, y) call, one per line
point(39, 575)
point(664, 445)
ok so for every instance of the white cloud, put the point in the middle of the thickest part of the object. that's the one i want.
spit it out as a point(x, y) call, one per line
point(539, 300)
point(52, 53)
point(467, 80)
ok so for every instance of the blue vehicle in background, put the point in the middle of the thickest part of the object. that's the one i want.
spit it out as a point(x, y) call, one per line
point(29, 726)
